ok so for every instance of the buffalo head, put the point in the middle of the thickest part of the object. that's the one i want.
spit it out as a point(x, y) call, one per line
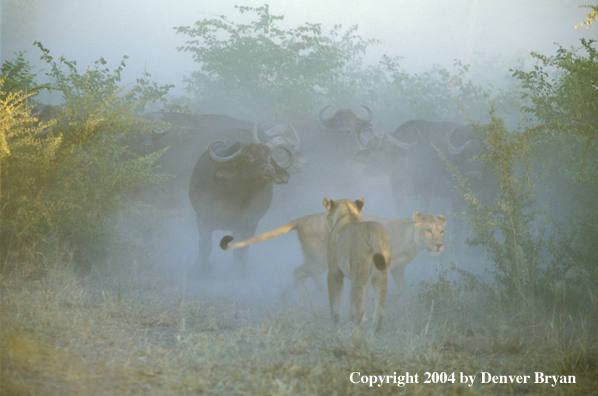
point(253, 159)
point(346, 122)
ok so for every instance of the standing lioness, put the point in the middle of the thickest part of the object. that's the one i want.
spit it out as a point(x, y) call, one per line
point(360, 251)
point(409, 238)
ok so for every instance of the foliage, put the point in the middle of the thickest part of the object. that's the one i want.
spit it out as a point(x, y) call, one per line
point(18, 75)
point(506, 229)
point(67, 178)
point(592, 17)
point(435, 94)
point(561, 139)
point(563, 91)
point(258, 67)
point(567, 105)
point(102, 82)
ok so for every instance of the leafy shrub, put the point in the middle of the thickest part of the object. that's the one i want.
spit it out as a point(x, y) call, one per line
point(528, 261)
point(258, 67)
point(67, 179)
point(506, 229)
point(254, 69)
point(563, 90)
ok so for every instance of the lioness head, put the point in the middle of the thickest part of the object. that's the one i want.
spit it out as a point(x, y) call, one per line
point(429, 232)
point(342, 207)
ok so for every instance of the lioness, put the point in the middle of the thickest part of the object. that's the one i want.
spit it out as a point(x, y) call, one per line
point(409, 238)
point(355, 247)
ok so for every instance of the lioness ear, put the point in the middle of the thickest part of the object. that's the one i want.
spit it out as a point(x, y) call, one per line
point(441, 217)
point(417, 217)
point(327, 202)
point(359, 203)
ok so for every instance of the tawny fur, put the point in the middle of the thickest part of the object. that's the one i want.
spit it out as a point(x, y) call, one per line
point(409, 238)
point(361, 251)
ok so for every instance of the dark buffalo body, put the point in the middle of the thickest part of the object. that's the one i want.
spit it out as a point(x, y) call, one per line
point(411, 156)
point(183, 137)
point(231, 189)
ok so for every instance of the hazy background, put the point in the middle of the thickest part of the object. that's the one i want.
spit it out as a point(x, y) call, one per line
point(423, 33)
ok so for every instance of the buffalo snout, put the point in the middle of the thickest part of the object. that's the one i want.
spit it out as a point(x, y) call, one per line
point(267, 171)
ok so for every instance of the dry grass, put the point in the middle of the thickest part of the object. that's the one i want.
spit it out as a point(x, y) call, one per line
point(136, 332)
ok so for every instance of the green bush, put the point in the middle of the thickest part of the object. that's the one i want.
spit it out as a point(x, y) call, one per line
point(258, 68)
point(255, 69)
point(550, 257)
point(563, 91)
point(506, 229)
point(67, 179)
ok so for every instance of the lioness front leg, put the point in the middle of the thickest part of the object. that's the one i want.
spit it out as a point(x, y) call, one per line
point(335, 292)
point(398, 274)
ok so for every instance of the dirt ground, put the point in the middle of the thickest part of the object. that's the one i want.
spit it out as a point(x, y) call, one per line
point(142, 330)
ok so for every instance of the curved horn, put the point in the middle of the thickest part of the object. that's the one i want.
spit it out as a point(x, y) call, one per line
point(321, 115)
point(256, 138)
point(364, 142)
point(452, 149)
point(403, 128)
point(402, 145)
point(298, 141)
point(370, 113)
point(288, 162)
point(217, 159)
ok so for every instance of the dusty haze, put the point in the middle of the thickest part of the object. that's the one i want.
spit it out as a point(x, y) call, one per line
point(422, 33)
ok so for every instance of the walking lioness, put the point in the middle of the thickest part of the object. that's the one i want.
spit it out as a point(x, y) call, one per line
point(409, 238)
point(360, 251)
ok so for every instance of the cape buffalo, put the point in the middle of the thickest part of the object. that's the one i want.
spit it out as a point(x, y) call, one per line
point(231, 189)
point(183, 136)
point(411, 157)
point(345, 123)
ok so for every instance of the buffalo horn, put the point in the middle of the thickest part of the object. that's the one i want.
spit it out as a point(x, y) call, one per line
point(452, 149)
point(288, 162)
point(403, 145)
point(362, 140)
point(321, 115)
point(256, 138)
point(217, 159)
point(297, 140)
point(370, 113)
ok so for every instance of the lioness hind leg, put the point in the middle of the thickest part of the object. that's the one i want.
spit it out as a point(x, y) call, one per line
point(380, 285)
point(356, 312)
point(309, 269)
point(335, 292)
point(300, 275)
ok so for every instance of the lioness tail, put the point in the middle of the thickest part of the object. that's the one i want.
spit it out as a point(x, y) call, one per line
point(224, 242)
point(380, 261)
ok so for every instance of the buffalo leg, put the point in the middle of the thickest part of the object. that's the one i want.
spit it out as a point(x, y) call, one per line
point(240, 255)
point(205, 247)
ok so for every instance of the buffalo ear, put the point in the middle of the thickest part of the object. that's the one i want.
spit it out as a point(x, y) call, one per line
point(328, 204)
point(359, 203)
point(225, 172)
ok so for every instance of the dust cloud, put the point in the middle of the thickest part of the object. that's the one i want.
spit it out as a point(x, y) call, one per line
point(420, 33)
